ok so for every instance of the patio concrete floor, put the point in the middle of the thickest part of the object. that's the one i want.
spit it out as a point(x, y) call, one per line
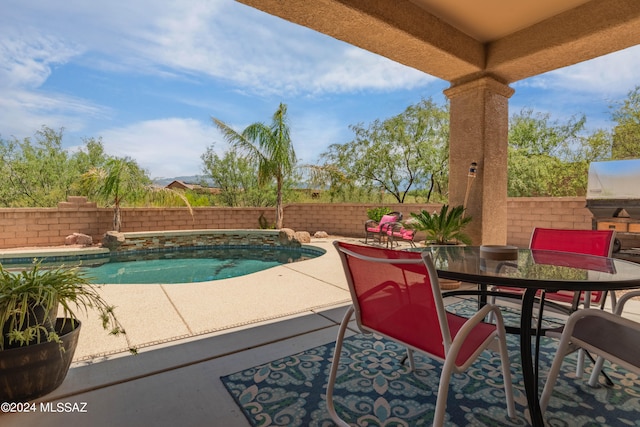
point(191, 335)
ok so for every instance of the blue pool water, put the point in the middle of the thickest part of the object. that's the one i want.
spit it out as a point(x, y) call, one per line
point(178, 265)
point(193, 265)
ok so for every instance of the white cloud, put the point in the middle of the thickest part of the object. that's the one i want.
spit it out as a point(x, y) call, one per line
point(28, 62)
point(266, 55)
point(166, 147)
point(354, 69)
point(589, 88)
point(24, 111)
point(611, 75)
point(615, 73)
point(27, 59)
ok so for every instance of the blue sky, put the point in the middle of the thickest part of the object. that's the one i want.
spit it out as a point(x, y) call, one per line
point(148, 75)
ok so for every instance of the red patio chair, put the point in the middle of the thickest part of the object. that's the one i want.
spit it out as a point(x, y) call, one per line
point(378, 229)
point(590, 242)
point(396, 294)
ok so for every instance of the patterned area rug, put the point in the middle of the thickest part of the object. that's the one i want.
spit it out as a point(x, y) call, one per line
point(375, 389)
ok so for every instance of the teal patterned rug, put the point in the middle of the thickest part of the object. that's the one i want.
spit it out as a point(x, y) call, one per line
point(377, 390)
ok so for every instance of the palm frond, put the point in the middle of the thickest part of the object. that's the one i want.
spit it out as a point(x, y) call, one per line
point(443, 227)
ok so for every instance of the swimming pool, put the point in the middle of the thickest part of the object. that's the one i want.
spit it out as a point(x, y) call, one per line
point(170, 265)
point(188, 265)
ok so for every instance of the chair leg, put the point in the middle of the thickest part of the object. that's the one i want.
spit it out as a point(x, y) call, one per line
point(491, 300)
point(580, 364)
point(597, 368)
point(335, 363)
point(581, 352)
point(552, 376)
point(448, 369)
point(443, 390)
point(614, 301)
point(412, 363)
point(506, 365)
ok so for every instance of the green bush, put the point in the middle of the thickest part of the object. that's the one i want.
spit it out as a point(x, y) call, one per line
point(376, 214)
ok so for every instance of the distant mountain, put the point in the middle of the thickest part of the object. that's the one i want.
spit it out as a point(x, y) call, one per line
point(193, 179)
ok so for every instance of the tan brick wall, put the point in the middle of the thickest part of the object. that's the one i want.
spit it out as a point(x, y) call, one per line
point(50, 226)
point(525, 213)
point(342, 219)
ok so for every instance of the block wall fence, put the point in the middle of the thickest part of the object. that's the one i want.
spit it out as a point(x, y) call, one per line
point(27, 227)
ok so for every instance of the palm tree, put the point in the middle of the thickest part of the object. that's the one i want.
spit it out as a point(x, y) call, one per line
point(122, 179)
point(270, 147)
point(444, 227)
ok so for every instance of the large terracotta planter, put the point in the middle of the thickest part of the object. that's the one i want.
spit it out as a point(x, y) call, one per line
point(29, 372)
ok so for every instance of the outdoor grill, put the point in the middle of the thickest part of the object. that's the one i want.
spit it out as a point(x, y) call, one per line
point(613, 197)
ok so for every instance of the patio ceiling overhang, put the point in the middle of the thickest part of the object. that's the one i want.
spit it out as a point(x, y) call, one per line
point(460, 40)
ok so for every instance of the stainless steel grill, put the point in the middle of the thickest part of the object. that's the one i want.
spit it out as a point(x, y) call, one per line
point(613, 197)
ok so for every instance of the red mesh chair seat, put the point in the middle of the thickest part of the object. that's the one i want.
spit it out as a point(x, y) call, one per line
point(409, 325)
point(396, 294)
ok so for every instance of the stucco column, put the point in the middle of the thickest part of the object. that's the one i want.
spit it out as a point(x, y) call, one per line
point(479, 124)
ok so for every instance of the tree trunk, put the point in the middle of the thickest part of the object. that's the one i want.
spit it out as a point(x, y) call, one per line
point(279, 208)
point(117, 222)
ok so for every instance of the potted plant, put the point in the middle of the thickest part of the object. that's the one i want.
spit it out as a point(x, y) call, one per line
point(443, 228)
point(36, 348)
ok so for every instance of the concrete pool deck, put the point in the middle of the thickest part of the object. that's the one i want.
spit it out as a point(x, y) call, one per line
point(157, 314)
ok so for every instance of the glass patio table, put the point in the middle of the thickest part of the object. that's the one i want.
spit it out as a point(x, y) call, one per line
point(534, 270)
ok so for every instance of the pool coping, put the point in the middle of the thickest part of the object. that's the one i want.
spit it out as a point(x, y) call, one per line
point(21, 257)
point(57, 251)
point(171, 233)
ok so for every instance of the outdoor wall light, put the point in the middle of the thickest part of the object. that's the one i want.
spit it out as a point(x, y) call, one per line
point(473, 170)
